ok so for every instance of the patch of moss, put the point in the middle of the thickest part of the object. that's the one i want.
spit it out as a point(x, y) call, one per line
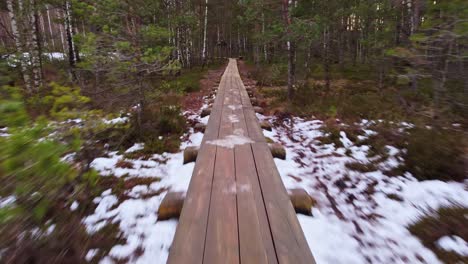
point(361, 167)
point(435, 154)
point(446, 221)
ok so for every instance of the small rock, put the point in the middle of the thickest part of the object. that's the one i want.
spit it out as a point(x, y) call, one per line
point(254, 101)
point(269, 140)
point(171, 206)
point(199, 127)
point(277, 151)
point(258, 109)
point(301, 201)
point(210, 101)
point(265, 125)
point(205, 112)
point(190, 154)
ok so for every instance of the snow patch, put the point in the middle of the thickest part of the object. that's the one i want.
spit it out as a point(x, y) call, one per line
point(74, 206)
point(363, 214)
point(233, 118)
point(453, 243)
point(136, 147)
point(136, 215)
point(118, 120)
point(230, 141)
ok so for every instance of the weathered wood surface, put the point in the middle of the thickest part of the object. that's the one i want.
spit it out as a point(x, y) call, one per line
point(237, 209)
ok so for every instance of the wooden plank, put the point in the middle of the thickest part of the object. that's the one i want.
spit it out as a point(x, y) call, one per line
point(222, 244)
point(253, 127)
point(187, 247)
point(255, 132)
point(243, 92)
point(188, 244)
point(290, 243)
point(237, 209)
point(255, 242)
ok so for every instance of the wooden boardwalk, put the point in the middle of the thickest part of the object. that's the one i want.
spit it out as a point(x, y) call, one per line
point(237, 209)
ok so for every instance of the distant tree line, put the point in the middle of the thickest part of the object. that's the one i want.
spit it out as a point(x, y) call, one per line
point(410, 39)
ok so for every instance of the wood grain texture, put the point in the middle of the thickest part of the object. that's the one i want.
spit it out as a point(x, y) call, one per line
point(237, 209)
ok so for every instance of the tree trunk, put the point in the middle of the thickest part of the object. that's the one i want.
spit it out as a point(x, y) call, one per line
point(205, 25)
point(265, 51)
point(69, 32)
point(62, 40)
point(291, 69)
point(50, 27)
point(326, 55)
point(19, 47)
point(290, 48)
point(35, 45)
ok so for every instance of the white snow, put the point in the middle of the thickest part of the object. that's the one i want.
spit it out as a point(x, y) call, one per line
point(74, 206)
point(118, 120)
point(234, 107)
point(6, 201)
point(4, 132)
point(136, 215)
point(54, 55)
point(91, 253)
point(230, 141)
point(136, 147)
point(233, 118)
point(344, 140)
point(354, 212)
point(453, 243)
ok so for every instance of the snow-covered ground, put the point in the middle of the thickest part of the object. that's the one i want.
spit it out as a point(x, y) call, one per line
point(359, 217)
point(136, 215)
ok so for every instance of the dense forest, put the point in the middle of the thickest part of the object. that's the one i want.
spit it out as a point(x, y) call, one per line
point(87, 80)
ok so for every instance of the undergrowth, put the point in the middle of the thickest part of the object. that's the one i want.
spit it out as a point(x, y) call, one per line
point(447, 221)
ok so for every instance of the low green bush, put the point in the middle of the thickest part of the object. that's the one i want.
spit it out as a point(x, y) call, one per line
point(435, 154)
point(272, 74)
point(31, 165)
point(160, 128)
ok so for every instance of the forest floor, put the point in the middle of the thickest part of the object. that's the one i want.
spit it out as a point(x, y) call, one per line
point(133, 205)
point(366, 214)
point(366, 204)
point(358, 206)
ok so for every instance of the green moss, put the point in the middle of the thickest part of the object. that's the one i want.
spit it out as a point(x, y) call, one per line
point(435, 154)
point(188, 81)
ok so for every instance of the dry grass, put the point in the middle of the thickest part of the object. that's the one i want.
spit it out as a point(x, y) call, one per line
point(445, 222)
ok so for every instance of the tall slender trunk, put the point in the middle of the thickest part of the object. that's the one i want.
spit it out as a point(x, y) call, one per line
point(36, 45)
point(265, 51)
point(50, 27)
point(203, 55)
point(43, 30)
point(19, 46)
point(290, 48)
point(69, 32)
point(326, 54)
point(62, 39)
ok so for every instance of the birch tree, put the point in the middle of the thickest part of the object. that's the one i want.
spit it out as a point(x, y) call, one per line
point(205, 28)
point(19, 46)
